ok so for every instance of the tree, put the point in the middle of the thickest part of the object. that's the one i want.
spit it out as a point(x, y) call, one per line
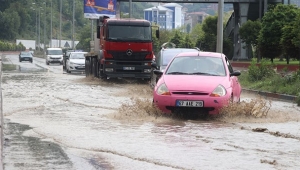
point(84, 38)
point(188, 28)
point(272, 29)
point(296, 32)
point(196, 33)
point(208, 41)
point(249, 32)
point(177, 39)
point(187, 42)
point(290, 50)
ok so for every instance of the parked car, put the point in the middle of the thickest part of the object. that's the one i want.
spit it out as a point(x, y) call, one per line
point(75, 62)
point(66, 54)
point(25, 56)
point(196, 83)
point(164, 56)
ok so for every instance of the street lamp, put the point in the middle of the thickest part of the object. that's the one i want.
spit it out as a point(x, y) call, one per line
point(60, 14)
point(45, 29)
point(51, 27)
point(35, 26)
point(73, 29)
point(39, 40)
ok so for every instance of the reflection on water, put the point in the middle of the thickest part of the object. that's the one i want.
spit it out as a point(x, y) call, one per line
point(34, 152)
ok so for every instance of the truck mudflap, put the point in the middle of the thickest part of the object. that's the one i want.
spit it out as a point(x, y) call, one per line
point(130, 69)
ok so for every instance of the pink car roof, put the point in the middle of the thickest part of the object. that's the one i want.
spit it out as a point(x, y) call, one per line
point(201, 53)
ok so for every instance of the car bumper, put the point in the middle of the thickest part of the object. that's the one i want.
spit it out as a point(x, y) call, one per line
point(26, 59)
point(55, 60)
point(77, 68)
point(167, 104)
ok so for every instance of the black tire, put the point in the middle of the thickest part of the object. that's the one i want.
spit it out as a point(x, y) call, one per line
point(95, 67)
point(101, 72)
point(87, 67)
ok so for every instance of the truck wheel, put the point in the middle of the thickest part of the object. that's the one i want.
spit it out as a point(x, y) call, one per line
point(87, 67)
point(101, 71)
point(95, 67)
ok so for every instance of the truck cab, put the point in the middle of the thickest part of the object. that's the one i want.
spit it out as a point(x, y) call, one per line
point(125, 49)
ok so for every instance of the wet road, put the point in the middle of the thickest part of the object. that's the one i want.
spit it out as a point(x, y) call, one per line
point(67, 121)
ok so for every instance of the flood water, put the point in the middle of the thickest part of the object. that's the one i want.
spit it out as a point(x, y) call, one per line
point(55, 120)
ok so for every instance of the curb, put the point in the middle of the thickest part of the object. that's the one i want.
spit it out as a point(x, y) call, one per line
point(284, 97)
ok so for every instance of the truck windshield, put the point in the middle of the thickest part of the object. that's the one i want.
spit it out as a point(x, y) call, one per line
point(129, 33)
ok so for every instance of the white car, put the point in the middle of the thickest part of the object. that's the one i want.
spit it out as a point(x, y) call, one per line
point(54, 55)
point(75, 62)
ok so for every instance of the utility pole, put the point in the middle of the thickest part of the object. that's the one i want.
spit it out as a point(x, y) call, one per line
point(220, 26)
point(60, 14)
point(39, 41)
point(73, 29)
point(51, 27)
point(45, 29)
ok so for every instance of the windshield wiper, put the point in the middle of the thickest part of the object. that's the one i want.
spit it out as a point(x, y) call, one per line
point(201, 73)
point(176, 72)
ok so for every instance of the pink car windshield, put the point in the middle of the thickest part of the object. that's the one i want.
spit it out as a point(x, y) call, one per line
point(197, 66)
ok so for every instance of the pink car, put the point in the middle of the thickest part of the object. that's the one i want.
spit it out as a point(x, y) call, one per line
point(196, 82)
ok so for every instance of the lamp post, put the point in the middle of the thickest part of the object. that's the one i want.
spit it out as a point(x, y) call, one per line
point(60, 13)
point(45, 29)
point(39, 39)
point(220, 26)
point(51, 27)
point(73, 22)
point(36, 26)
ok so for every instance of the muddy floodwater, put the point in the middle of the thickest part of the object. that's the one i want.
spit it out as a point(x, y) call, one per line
point(55, 120)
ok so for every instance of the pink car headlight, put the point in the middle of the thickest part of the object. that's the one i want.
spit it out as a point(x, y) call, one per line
point(163, 90)
point(218, 91)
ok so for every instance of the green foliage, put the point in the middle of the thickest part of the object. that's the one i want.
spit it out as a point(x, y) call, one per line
point(84, 38)
point(187, 42)
point(5, 46)
point(249, 32)
point(272, 29)
point(209, 40)
point(177, 39)
point(259, 72)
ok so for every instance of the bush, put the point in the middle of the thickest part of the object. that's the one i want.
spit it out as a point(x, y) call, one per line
point(264, 70)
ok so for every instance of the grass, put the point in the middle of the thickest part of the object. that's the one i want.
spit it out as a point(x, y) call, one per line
point(8, 67)
point(276, 61)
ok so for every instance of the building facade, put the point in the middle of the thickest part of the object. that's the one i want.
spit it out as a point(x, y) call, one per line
point(168, 16)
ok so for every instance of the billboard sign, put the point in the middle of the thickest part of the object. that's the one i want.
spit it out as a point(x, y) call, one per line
point(95, 8)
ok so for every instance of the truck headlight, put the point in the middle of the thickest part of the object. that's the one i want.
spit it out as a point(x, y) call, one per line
point(147, 70)
point(109, 69)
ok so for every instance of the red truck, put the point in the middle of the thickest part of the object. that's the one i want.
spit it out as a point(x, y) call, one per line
point(122, 49)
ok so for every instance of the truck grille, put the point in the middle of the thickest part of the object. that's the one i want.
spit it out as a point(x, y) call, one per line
point(123, 56)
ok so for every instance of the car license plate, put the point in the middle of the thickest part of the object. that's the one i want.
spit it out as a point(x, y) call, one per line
point(128, 68)
point(26, 58)
point(189, 103)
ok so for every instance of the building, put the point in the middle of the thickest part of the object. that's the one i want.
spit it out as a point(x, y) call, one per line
point(160, 15)
point(194, 18)
point(168, 16)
